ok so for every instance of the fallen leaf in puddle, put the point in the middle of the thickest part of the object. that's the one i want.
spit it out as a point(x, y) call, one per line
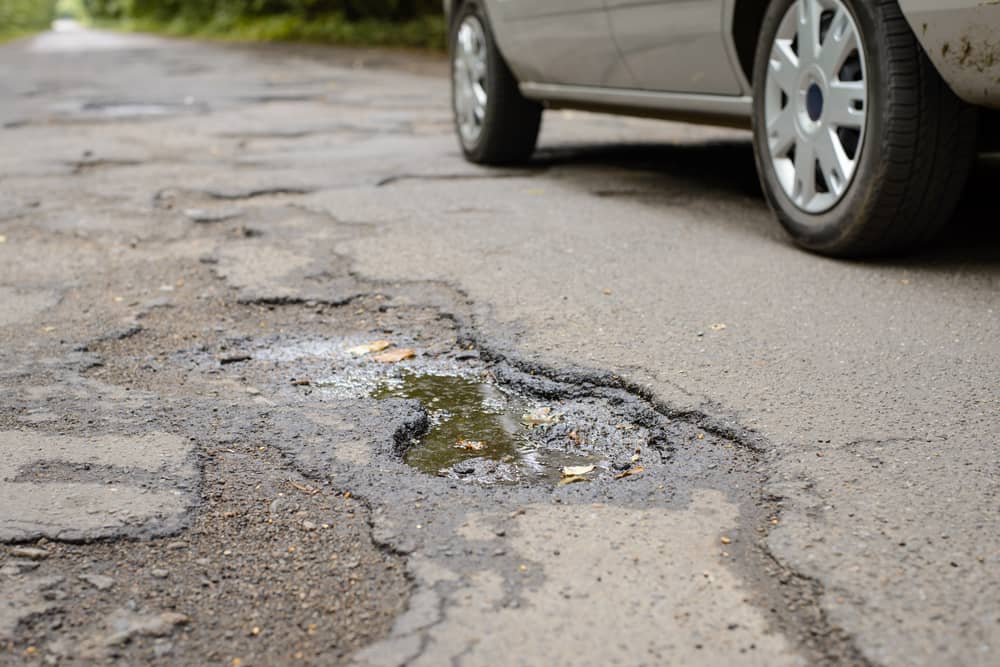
point(540, 417)
point(573, 479)
point(631, 471)
point(574, 471)
point(392, 356)
point(369, 348)
point(474, 445)
point(717, 327)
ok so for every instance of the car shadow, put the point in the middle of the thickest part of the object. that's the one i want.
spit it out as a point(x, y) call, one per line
point(724, 170)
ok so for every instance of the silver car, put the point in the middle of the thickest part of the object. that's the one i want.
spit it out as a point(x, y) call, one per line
point(865, 113)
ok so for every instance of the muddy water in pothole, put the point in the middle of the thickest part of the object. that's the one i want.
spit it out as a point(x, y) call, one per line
point(468, 418)
point(473, 419)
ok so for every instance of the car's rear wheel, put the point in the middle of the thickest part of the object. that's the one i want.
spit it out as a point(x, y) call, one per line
point(861, 147)
point(494, 122)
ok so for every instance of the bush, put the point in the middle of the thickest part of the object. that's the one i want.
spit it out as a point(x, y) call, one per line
point(25, 15)
point(416, 23)
point(352, 10)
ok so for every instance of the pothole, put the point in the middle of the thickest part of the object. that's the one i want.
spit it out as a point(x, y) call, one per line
point(479, 431)
point(485, 423)
point(447, 412)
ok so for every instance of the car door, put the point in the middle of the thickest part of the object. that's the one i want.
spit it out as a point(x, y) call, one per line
point(558, 41)
point(675, 45)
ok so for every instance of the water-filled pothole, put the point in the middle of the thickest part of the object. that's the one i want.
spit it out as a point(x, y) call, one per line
point(482, 432)
point(474, 426)
point(468, 418)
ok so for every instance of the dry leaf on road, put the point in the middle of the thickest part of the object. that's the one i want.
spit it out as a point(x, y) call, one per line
point(573, 471)
point(392, 356)
point(631, 471)
point(368, 348)
point(573, 479)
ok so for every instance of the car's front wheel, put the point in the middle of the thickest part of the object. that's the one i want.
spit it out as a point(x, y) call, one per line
point(494, 122)
point(861, 147)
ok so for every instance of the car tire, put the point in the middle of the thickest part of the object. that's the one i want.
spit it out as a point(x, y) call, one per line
point(913, 147)
point(503, 127)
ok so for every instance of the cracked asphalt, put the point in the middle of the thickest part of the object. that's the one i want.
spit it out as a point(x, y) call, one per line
point(194, 236)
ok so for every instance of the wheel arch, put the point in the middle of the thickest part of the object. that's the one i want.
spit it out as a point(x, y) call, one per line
point(747, 19)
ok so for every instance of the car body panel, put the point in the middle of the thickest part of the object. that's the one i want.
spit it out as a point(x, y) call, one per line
point(676, 59)
point(962, 39)
point(674, 45)
point(558, 41)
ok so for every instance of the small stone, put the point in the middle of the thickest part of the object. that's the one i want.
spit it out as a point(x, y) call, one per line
point(161, 648)
point(176, 546)
point(125, 625)
point(253, 391)
point(159, 573)
point(98, 581)
point(14, 567)
point(308, 525)
point(31, 553)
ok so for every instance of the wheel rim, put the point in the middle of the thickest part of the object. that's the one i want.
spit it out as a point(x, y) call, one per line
point(469, 79)
point(816, 103)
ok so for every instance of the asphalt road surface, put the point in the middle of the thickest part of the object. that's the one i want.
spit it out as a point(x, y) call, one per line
point(795, 459)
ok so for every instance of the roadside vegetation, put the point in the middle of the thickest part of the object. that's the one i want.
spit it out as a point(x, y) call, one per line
point(23, 17)
point(410, 23)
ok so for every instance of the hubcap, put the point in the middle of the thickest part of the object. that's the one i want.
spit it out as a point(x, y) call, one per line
point(816, 103)
point(469, 79)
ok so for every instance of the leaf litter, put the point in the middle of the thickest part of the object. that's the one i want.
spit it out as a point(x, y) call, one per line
point(395, 356)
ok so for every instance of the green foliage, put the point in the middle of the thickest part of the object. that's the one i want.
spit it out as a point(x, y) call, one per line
point(416, 23)
point(352, 10)
point(18, 16)
point(71, 9)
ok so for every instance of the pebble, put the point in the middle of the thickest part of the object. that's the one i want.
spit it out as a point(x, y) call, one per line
point(15, 567)
point(176, 546)
point(98, 581)
point(31, 553)
point(159, 573)
point(308, 525)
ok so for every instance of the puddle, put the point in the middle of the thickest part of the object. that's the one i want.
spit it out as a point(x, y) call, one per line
point(476, 430)
point(461, 410)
